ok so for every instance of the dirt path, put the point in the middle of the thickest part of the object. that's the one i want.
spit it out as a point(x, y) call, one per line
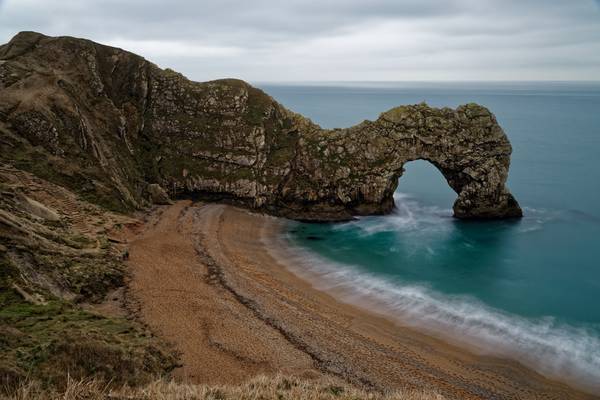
point(205, 281)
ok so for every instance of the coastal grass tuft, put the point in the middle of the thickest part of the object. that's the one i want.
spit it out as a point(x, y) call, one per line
point(263, 387)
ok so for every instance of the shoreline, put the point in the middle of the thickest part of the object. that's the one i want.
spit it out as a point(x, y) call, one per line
point(240, 311)
point(459, 321)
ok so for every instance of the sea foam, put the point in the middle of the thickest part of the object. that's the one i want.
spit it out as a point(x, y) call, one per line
point(558, 350)
point(409, 215)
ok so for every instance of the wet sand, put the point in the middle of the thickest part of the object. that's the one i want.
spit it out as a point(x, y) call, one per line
point(204, 278)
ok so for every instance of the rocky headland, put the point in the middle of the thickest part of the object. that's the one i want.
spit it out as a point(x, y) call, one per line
point(107, 123)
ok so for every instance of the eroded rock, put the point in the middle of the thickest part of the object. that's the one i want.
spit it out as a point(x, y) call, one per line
point(105, 122)
point(37, 209)
point(158, 195)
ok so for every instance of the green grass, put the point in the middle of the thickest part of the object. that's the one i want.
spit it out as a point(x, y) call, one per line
point(54, 339)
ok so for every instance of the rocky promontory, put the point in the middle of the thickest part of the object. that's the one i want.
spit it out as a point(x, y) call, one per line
point(112, 126)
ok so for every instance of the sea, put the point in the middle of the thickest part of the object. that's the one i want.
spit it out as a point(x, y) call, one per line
point(525, 289)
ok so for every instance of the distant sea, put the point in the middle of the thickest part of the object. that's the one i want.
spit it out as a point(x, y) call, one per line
point(527, 289)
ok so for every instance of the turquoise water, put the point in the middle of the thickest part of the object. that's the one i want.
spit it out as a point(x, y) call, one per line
point(529, 288)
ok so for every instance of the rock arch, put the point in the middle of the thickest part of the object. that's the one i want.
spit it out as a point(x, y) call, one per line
point(111, 125)
point(356, 170)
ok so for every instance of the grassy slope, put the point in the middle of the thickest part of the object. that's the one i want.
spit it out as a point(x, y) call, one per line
point(49, 267)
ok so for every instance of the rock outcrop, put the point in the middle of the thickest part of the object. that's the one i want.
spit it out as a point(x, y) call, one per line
point(107, 123)
point(158, 195)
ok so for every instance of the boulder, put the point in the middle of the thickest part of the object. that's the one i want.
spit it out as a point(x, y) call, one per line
point(37, 209)
point(158, 195)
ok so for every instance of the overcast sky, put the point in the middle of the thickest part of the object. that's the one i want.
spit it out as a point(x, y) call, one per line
point(321, 40)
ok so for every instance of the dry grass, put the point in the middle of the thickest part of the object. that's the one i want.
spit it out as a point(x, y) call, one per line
point(260, 388)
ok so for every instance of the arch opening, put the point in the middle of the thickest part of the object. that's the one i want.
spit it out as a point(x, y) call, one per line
point(421, 180)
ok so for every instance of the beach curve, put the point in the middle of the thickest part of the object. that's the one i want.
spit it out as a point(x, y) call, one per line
point(204, 278)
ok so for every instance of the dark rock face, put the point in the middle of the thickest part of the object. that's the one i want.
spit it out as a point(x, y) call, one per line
point(108, 123)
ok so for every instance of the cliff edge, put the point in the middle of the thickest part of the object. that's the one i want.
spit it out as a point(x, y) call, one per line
point(109, 124)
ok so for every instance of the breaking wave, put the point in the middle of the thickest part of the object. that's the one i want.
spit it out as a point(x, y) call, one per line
point(409, 215)
point(558, 350)
point(554, 348)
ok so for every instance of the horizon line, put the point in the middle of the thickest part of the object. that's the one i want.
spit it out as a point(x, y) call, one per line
point(431, 81)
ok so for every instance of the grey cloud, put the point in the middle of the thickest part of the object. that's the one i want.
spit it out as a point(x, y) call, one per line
point(225, 20)
point(330, 39)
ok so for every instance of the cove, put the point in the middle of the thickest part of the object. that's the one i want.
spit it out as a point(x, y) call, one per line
point(525, 288)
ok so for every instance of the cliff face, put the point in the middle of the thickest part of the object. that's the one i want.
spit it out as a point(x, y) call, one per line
point(108, 123)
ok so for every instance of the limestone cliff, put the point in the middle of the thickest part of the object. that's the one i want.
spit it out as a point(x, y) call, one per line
point(107, 123)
